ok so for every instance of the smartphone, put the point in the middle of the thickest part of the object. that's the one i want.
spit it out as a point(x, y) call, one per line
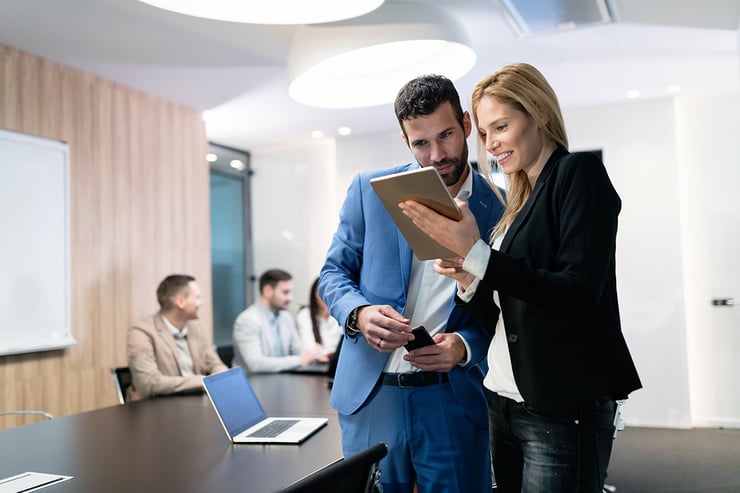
point(421, 338)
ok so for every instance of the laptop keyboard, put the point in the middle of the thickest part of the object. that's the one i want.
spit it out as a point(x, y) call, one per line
point(273, 429)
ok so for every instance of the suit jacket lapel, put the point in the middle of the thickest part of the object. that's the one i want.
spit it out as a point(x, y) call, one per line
point(164, 333)
point(539, 185)
point(194, 346)
point(478, 204)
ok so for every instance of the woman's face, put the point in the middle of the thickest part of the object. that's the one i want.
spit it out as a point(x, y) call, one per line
point(512, 137)
point(322, 308)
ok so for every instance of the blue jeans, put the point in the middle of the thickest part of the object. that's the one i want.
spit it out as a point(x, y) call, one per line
point(534, 453)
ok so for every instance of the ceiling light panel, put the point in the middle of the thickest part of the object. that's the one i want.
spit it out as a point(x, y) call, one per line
point(364, 62)
point(270, 12)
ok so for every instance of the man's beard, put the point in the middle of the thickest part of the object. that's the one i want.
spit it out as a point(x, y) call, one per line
point(458, 167)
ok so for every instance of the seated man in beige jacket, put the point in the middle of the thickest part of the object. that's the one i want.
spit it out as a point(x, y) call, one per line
point(169, 351)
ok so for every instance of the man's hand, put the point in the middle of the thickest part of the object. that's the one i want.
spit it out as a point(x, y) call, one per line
point(314, 353)
point(384, 329)
point(443, 356)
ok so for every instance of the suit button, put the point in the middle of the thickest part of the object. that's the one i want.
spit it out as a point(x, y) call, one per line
point(512, 337)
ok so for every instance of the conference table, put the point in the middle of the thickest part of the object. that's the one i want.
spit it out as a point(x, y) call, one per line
point(175, 444)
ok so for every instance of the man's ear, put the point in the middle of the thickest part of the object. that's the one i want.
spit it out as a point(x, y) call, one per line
point(179, 301)
point(467, 125)
point(405, 139)
point(267, 291)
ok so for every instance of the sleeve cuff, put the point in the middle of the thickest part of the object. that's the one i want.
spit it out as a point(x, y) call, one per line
point(476, 261)
point(466, 359)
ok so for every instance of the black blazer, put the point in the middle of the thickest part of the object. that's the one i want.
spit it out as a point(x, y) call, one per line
point(555, 274)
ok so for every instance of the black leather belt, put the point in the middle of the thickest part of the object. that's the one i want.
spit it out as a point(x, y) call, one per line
point(414, 379)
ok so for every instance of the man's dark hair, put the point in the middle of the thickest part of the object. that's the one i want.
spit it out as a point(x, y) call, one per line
point(272, 277)
point(423, 95)
point(170, 287)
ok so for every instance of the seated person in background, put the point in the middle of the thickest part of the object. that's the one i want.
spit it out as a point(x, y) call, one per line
point(315, 324)
point(265, 335)
point(169, 352)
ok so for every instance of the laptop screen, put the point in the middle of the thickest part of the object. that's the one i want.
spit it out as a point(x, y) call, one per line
point(234, 400)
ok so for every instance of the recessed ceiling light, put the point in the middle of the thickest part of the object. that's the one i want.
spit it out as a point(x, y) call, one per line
point(211, 157)
point(271, 12)
point(633, 93)
point(317, 134)
point(344, 130)
point(237, 164)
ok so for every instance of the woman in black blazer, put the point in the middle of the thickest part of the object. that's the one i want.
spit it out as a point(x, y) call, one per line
point(558, 359)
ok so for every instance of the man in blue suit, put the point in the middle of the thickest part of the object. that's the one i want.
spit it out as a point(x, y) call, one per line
point(432, 414)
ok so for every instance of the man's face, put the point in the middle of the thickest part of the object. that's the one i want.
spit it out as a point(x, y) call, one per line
point(438, 140)
point(188, 300)
point(279, 297)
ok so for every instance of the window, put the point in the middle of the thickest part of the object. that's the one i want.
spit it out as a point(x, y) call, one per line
point(231, 239)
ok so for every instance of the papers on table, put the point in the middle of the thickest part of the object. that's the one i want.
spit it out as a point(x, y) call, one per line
point(30, 481)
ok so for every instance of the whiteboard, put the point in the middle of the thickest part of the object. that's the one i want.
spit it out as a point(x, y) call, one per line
point(34, 244)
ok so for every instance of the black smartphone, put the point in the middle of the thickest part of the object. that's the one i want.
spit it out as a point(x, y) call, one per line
point(421, 338)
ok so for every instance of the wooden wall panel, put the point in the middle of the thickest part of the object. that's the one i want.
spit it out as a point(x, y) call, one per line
point(139, 211)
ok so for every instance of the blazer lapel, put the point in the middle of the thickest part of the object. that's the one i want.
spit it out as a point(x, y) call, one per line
point(539, 185)
point(478, 202)
point(164, 333)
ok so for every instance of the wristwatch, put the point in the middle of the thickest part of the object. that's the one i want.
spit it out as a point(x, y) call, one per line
point(352, 328)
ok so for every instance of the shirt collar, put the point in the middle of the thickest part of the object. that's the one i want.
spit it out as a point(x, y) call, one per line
point(177, 334)
point(466, 190)
point(271, 315)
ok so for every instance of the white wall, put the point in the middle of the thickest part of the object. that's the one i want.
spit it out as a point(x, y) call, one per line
point(654, 150)
point(709, 167)
point(368, 152)
point(639, 150)
point(294, 210)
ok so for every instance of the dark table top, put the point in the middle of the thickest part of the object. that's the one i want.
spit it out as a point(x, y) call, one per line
point(174, 444)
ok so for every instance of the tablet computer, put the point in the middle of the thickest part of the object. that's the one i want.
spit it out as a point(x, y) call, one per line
point(425, 186)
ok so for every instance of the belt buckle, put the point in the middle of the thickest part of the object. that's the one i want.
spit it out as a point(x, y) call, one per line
point(400, 382)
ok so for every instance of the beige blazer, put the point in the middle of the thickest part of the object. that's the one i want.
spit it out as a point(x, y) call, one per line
point(152, 358)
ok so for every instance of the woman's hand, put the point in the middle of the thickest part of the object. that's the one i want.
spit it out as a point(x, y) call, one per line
point(458, 236)
point(452, 268)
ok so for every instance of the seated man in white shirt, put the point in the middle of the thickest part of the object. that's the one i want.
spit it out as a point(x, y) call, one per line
point(265, 335)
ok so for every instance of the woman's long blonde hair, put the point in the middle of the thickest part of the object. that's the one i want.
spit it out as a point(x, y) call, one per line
point(524, 88)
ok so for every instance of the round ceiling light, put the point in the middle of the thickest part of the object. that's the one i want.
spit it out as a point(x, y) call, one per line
point(270, 12)
point(365, 62)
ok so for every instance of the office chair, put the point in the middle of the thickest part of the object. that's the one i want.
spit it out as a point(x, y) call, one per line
point(226, 353)
point(356, 474)
point(122, 381)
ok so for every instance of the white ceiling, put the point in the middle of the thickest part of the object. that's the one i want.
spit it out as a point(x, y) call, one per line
point(237, 72)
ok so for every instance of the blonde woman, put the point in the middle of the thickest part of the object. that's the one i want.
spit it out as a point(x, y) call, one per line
point(558, 359)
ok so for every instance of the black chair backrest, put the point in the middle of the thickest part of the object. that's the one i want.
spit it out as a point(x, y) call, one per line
point(122, 381)
point(226, 353)
point(356, 474)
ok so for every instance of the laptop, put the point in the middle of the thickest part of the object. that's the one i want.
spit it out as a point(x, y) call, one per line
point(313, 368)
point(243, 417)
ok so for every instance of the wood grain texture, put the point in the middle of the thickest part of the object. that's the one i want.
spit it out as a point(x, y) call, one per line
point(139, 211)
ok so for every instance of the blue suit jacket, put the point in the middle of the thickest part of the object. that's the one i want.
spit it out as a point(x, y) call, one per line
point(369, 263)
